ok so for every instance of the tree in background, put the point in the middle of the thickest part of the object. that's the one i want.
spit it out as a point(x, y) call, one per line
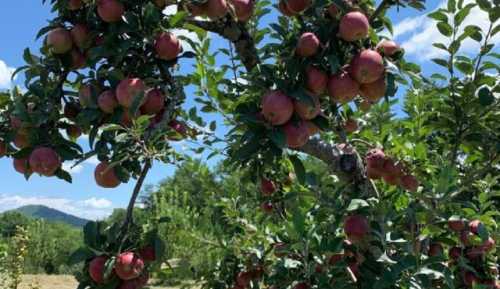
point(408, 203)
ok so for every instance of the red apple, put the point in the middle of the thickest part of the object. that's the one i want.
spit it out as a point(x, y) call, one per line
point(393, 180)
point(298, 6)
point(356, 227)
point(409, 183)
point(317, 80)
point(71, 110)
point(3, 149)
point(367, 66)
point(474, 226)
point(154, 102)
point(85, 95)
point(267, 187)
point(22, 166)
point(128, 90)
point(374, 91)
point(180, 128)
point(16, 123)
point(455, 253)
point(301, 285)
point(335, 258)
point(387, 47)
point(148, 254)
point(96, 269)
point(80, 35)
point(435, 249)
point(243, 9)
point(354, 26)
point(351, 125)
point(470, 278)
point(456, 225)
point(307, 45)
point(78, 60)
point(375, 158)
point(277, 107)
point(129, 266)
point(307, 110)
point(105, 176)
point(45, 161)
point(73, 131)
point(167, 46)
point(107, 101)
point(342, 88)
point(110, 10)
point(297, 134)
point(488, 245)
point(74, 5)
point(21, 140)
point(267, 207)
point(283, 8)
point(59, 40)
point(243, 279)
point(216, 9)
point(312, 129)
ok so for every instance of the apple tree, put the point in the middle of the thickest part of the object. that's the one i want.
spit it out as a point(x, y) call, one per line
point(412, 202)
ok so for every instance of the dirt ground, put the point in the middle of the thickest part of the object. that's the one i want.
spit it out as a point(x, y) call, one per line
point(57, 281)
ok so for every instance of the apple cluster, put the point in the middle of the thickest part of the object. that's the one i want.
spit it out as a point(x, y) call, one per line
point(216, 9)
point(474, 249)
point(71, 41)
point(380, 166)
point(364, 75)
point(129, 268)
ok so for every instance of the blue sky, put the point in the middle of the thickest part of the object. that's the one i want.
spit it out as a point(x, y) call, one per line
point(19, 23)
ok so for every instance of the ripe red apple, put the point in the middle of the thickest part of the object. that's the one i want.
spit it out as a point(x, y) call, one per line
point(373, 91)
point(317, 80)
point(375, 158)
point(342, 88)
point(456, 225)
point(307, 110)
point(267, 207)
point(154, 102)
point(59, 40)
point(367, 66)
point(3, 149)
point(277, 107)
point(167, 46)
point(354, 26)
point(74, 5)
point(107, 101)
point(393, 180)
point(333, 11)
point(488, 245)
point(22, 166)
point(129, 266)
point(391, 168)
point(21, 140)
point(409, 183)
point(105, 176)
point(180, 128)
point(435, 249)
point(148, 254)
point(280, 249)
point(110, 10)
point(128, 89)
point(455, 253)
point(243, 279)
point(470, 278)
point(373, 173)
point(78, 60)
point(474, 226)
point(283, 8)
point(71, 110)
point(301, 285)
point(312, 129)
point(216, 9)
point(465, 237)
point(80, 35)
point(97, 268)
point(298, 6)
point(73, 131)
point(356, 227)
point(243, 9)
point(137, 283)
point(85, 95)
point(387, 47)
point(351, 125)
point(307, 45)
point(45, 161)
point(297, 134)
point(267, 187)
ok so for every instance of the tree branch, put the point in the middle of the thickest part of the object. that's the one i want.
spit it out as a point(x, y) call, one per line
point(129, 218)
point(235, 32)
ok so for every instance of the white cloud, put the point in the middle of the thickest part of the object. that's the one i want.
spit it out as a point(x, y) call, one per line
point(5, 75)
point(92, 208)
point(97, 203)
point(418, 33)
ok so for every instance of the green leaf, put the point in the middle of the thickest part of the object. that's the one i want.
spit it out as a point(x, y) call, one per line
point(278, 137)
point(299, 169)
point(90, 234)
point(452, 6)
point(484, 4)
point(462, 14)
point(465, 67)
point(440, 61)
point(439, 16)
point(445, 29)
point(80, 255)
point(485, 96)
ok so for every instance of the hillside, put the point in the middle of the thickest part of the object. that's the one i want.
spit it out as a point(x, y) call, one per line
point(51, 215)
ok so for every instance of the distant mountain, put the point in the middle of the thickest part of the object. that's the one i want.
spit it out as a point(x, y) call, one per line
point(51, 215)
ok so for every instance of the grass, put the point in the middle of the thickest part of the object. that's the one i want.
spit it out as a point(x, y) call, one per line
point(59, 282)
